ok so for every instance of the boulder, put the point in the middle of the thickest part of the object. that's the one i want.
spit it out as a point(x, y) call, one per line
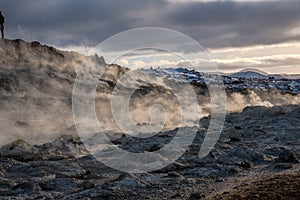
point(287, 156)
point(19, 150)
point(66, 146)
point(234, 135)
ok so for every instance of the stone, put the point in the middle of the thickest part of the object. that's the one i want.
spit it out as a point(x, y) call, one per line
point(220, 179)
point(245, 164)
point(154, 147)
point(282, 166)
point(234, 135)
point(287, 156)
point(19, 150)
point(66, 146)
point(240, 154)
point(273, 151)
point(197, 195)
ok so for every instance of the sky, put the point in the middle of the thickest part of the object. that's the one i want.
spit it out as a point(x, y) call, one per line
point(240, 34)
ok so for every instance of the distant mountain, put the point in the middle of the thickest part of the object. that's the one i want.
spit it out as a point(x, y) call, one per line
point(250, 74)
point(255, 73)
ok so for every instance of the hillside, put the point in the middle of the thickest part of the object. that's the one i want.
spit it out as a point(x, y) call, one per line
point(250, 74)
point(36, 83)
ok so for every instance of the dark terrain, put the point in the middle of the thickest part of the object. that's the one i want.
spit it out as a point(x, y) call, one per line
point(256, 157)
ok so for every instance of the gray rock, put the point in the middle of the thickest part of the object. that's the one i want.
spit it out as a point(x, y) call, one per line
point(219, 179)
point(281, 166)
point(245, 164)
point(240, 154)
point(66, 146)
point(61, 184)
point(273, 151)
point(19, 150)
point(197, 195)
point(287, 156)
point(234, 134)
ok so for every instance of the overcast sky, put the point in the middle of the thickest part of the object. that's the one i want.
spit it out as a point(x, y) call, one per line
point(239, 34)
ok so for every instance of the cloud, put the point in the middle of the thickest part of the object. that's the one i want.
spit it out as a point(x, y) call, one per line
point(229, 23)
point(276, 56)
point(238, 33)
point(212, 23)
point(72, 21)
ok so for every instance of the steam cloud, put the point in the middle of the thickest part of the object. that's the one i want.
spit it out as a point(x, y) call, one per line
point(36, 95)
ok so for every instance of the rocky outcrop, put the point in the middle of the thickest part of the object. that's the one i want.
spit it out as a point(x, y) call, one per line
point(66, 146)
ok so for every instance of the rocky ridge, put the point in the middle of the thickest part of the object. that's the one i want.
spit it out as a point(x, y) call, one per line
point(238, 81)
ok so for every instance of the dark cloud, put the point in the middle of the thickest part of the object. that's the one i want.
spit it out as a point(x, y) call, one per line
point(72, 21)
point(237, 23)
point(213, 24)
